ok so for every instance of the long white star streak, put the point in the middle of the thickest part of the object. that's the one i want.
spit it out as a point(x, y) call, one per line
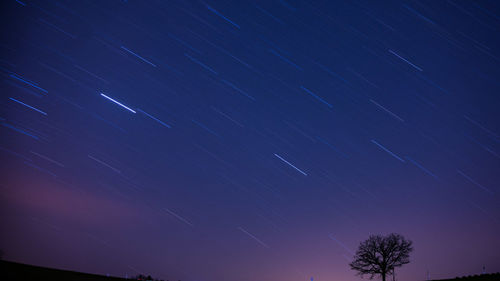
point(253, 237)
point(118, 103)
point(290, 164)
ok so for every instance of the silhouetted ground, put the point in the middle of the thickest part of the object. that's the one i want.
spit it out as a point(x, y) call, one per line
point(13, 271)
point(482, 277)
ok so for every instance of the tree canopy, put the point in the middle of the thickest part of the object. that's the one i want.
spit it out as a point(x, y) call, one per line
point(380, 255)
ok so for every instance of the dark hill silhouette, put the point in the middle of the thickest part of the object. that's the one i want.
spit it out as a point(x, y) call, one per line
point(482, 277)
point(13, 271)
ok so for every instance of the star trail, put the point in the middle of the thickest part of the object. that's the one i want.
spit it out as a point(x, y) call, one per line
point(249, 140)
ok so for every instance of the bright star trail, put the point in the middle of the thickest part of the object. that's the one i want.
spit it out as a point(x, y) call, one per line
point(118, 103)
point(29, 83)
point(290, 164)
point(249, 140)
point(28, 106)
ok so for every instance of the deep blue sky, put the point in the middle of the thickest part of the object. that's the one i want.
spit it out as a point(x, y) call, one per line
point(249, 140)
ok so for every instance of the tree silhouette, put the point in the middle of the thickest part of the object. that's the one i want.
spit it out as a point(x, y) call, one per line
point(379, 255)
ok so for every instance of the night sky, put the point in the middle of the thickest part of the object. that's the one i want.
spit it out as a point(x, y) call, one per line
point(249, 140)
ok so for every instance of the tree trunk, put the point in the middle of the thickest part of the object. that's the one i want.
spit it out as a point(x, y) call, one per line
point(383, 276)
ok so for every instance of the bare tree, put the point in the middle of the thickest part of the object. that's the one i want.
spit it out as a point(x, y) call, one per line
point(379, 255)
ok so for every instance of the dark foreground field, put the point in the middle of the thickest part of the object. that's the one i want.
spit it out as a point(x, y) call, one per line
point(12, 271)
point(483, 277)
